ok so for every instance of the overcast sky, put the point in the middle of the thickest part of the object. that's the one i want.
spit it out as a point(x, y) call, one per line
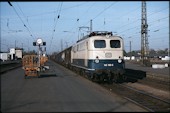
point(56, 22)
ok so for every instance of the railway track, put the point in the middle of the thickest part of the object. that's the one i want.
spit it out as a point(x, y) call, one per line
point(144, 99)
point(149, 102)
point(158, 84)
point(8, 67)
point(162, 84)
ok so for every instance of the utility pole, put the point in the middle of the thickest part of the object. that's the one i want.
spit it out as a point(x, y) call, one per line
point(22, 45)
point(130, 51)
point(61, 44)
point(66, 44)
point(15, 43)
point(28, 46)
point(130, 47)
point(144, 35)
point(90, 26)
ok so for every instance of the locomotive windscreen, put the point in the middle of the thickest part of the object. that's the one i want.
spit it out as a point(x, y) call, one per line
point(115, 43)
point(99, 44)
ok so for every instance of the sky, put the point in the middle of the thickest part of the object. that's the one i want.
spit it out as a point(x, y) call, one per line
point(61, 24)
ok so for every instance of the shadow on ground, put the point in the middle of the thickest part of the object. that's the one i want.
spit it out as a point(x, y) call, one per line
point(47, 75)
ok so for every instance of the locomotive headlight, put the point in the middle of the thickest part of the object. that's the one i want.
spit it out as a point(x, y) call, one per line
point(97, 59)
point(119, 60)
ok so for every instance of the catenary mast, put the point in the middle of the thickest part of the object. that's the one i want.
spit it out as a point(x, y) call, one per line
point(144, 35)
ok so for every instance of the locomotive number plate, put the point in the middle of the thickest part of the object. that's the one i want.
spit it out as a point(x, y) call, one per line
point(108, 64)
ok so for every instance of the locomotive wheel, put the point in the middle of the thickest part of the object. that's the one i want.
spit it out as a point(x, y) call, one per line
point(87, 75)
point(82, 73)
point(95, 78)
point(110, 80)
point(116, 78)
point(124, 78)
point(91, 77)
point(79, 71)
point(101, 79)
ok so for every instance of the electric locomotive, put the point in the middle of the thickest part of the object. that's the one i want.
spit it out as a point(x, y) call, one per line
point(99, 56)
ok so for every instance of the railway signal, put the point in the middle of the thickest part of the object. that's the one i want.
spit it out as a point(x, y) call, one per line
point(39, 43)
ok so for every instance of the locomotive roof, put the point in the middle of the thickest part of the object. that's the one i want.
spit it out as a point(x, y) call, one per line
point(96, 33)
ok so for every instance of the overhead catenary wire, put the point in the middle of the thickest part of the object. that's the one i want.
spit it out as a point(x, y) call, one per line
point(51, 12)
point(158, 11)
point(130, 11)
point(131, 22)
point(159, 20)
point(55, 23)
point(124, 14)
point(8, 22)
point(20, 19)
point(78, 19)
point(157, 30)
point(100, 13)
point(140, 19)
point(12, 35)
point(140, 26)
point(149, 23)
point(25, 17)
point(104, 10)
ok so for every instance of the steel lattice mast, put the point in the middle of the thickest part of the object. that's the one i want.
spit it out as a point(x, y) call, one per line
point(144, 34)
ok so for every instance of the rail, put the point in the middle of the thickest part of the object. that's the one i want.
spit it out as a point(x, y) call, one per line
point(147, 101)
point(9, 65)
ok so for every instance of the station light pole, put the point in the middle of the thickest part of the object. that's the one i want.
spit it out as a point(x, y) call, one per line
point(130, 45)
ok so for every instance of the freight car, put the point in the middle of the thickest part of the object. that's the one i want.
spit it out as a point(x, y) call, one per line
point(98, 56)
point(64, 57)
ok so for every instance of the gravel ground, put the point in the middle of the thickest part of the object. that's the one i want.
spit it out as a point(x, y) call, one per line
point(153, 91)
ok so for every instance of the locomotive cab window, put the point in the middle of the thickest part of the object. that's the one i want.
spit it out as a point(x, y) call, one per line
point(99, 44)
point(115, 43)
